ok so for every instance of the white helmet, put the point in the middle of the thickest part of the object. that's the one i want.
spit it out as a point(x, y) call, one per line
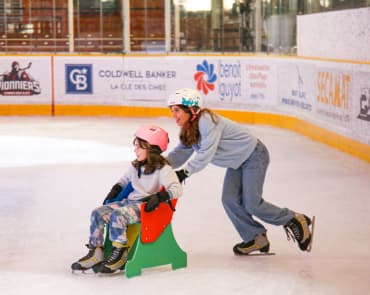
point(187, 97)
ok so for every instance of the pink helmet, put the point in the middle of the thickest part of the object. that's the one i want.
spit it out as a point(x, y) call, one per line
point(154, 135)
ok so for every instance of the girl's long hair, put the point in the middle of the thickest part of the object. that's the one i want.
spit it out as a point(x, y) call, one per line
point(189, 133)
point(154, 159)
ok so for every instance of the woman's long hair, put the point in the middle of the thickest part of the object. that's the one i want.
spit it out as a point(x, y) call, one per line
point(154, 158)
point(189, 133)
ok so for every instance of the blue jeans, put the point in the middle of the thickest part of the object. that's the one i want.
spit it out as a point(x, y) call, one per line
point(242, 196)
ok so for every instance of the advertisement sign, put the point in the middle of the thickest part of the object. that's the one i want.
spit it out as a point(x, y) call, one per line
point(149, 79)
point(124, 81)
point(25, 80)
point(79, 81)
point(296, 91)
point(360, 106)
point(230, 80)
point(333, 96)
point(79, 78)
point(259, 84)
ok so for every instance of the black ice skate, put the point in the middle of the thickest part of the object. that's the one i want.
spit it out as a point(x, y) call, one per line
point(115, 262)
point(300, 228)
point(259, 243)
point(93, 258)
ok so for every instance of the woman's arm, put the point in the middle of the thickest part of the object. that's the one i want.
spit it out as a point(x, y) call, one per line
point(210, 134)
point(179, 155)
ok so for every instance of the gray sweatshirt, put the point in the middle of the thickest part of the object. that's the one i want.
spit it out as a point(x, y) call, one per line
point(225, 144)
point(149, 184)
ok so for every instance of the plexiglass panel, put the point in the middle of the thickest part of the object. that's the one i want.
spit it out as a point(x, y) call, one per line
point(195, 25)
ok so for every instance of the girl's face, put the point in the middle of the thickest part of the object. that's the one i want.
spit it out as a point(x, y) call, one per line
point(141, 152)
point(181, 117)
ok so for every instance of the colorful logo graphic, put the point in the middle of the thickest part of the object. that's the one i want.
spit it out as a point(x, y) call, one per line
point(79, 79)
point(205, 77)
point(18, 81)
point(365, 105)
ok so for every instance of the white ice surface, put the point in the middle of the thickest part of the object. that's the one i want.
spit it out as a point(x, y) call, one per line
point(30, 151)
point(54, 171)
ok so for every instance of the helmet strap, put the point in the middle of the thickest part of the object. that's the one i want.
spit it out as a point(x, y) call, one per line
point(194, 113)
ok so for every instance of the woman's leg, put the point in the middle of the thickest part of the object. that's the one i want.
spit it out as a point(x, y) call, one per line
point(254, 171)
point(247, 227)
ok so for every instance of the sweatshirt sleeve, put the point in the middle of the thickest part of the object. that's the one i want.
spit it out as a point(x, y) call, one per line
point(179, 155)
point(210, 134)
point(170, 182)
point(125, 178)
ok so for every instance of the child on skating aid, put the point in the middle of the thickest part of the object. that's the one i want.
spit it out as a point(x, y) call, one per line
point(153, 181)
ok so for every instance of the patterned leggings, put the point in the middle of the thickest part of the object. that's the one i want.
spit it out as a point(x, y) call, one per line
point(118, 215)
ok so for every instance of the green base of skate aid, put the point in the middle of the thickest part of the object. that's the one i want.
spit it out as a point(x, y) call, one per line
point(163, 251)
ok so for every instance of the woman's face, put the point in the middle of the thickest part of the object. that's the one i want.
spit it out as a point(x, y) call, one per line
point(141, 153)
point(181, 117)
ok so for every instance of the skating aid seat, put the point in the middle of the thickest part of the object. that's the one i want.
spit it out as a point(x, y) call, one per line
point(152, 242)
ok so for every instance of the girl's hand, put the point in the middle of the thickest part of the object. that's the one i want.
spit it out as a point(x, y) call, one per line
point(152, 201)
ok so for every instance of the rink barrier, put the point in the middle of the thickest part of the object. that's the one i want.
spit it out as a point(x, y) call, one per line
point(326, 100)
point(26, 110)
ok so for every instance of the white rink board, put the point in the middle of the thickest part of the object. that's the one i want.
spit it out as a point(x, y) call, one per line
point(332, 95)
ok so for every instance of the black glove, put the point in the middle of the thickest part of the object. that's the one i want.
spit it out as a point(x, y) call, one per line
point(152, 201)
point(114, 192)
point(182, 174)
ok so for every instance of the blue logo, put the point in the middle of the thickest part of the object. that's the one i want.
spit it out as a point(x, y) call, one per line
point(79, 79)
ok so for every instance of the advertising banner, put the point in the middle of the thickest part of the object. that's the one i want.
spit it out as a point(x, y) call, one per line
point(237, 83)
point(360, 105)
point(229, 73)
point(83, 80)
point(259, 85)
point(296, 92)
point(333, 96)
point(25, 80)
point(126, 81)
point(223, 82)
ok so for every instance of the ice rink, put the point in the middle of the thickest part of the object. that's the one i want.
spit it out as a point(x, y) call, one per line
point(54, 171)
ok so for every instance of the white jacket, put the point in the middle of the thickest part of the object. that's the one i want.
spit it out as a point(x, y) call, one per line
point(149, 184)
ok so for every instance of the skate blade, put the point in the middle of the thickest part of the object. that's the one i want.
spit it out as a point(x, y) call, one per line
point(257, 254)
point(312, 231)
point(89, 271)
point(108, 274)
point(261, 254)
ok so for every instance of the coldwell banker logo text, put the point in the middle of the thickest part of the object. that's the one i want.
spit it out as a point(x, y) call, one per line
point(79, 79)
